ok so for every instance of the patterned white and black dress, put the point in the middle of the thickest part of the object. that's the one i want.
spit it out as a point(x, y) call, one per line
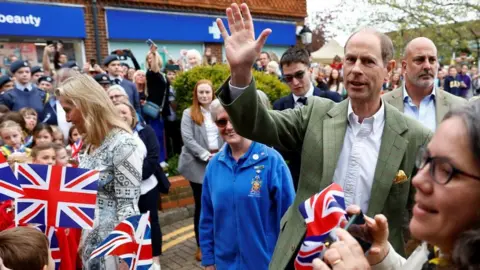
point(119, 161)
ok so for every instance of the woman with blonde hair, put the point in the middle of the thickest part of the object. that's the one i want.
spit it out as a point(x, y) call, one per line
point(140, 81)
point(113, 151)
point(157, 98)
point(201, 141)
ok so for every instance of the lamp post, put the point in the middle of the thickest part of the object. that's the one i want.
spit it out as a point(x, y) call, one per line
point(306, 35)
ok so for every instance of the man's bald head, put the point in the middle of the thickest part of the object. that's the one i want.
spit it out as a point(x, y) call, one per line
point(420, 64)
point(419, 42)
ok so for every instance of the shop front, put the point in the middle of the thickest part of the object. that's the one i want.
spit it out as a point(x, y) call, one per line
point(26, 28)
point(174, 32)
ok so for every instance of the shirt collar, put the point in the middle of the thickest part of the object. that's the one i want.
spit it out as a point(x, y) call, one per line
point(23, 86)
point(112, 78)
point(407, 97)
point(308, 94)
point(204, 111)
point(378, 119)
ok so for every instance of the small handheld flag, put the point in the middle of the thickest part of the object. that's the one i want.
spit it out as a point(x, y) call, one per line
point(323, 212)
point(9, 186)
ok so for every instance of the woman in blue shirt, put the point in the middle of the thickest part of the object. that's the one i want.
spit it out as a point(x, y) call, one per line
point(246, 190)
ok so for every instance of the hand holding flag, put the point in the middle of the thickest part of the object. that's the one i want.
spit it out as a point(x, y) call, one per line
point(9, 186)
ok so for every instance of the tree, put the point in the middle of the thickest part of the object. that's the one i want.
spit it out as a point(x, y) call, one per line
point(453, 25)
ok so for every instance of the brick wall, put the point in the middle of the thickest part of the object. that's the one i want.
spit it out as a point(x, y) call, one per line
point(180, 194)
point(216, 50)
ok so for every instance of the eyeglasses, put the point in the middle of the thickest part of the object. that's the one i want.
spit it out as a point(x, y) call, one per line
point(441, 170)
point(221, 123)
point(297, 75)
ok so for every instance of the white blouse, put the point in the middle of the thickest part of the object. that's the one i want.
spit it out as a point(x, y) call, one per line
point(212, 130)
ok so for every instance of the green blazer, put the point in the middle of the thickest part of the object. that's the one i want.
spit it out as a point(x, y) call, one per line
point(444, 101)
point(318, 130)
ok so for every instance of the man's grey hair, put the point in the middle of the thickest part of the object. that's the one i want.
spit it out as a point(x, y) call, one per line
point(215, 108)
point(117, 88)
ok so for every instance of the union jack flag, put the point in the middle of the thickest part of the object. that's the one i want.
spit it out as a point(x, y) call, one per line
point(130, 240)
point(9, 187)
point(323, 212)
point(76, 147)
point(51, 234)
point(56, 196)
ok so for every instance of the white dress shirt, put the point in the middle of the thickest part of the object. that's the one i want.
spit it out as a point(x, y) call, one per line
point(307, 95)
point(358, 158)
point(22, 87)
point(212, 130)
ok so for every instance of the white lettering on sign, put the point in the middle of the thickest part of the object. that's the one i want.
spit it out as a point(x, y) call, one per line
point(16, 19)
point(214, 30)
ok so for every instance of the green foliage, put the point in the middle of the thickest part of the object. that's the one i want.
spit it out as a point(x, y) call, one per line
point(186, 81)
point(172, 166)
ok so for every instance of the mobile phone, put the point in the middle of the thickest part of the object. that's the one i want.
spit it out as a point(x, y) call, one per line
point(93, 62)
point(150, 43)
point(357, 227)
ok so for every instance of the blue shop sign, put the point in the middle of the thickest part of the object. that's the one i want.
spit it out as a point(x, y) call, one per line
point(141, 25)
point(40, 20)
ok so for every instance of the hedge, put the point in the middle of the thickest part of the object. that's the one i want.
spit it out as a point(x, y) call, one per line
point(186, 81)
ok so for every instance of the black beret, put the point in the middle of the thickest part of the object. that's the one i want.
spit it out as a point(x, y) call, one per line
point(45, 78)
point(123, 64)
point(70, 64)
point(4, 79)
point(15, 66)
point(102, 78)
point(110, 59)
point(36, 69)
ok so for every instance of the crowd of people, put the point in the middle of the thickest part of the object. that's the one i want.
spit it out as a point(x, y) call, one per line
point(361, 122)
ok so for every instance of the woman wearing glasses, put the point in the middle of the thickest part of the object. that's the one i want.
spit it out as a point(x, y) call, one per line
point(246, 190)
point(446, 212)
point(201, 141)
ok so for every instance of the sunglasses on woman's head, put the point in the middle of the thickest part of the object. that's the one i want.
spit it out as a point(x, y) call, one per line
point(221, 123)
point(297, 75)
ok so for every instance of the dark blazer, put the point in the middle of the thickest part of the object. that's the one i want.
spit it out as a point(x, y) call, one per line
point(50, 114)
point(16, 99)
point(150, 163)
point(132, 93)
point(294, 157)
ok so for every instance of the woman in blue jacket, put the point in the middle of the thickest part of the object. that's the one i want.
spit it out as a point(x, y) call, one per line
point(246, 190)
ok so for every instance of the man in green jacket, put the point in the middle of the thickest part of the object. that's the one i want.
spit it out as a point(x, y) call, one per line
point(363, 144)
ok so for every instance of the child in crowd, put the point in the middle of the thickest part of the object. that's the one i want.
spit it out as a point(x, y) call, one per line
point(12, 136)
point(25, 248)
point(44, 153)
point(62, 156)
point(42, 134)
point(31, 117)
point(58, 137)
point(75, 143)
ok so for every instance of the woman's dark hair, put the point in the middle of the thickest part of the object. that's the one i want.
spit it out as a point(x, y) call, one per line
point(38, 128)
point(466, 252)
point(332, 81)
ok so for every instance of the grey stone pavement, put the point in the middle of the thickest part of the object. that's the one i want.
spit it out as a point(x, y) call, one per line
point(179, 246)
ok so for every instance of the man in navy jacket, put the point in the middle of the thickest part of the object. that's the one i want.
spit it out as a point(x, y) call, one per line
point(24, 94)
point(114, 70)
point(297, 74)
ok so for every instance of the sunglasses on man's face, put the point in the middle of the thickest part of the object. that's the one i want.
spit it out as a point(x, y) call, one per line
point(297, 75)
point(221, 123)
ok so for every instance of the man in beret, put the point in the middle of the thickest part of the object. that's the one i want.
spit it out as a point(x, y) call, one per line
point(37, 72)
point(114, 70)
point(25, 93)
point(46, 84)
point(6, 83)
point(103, 80)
